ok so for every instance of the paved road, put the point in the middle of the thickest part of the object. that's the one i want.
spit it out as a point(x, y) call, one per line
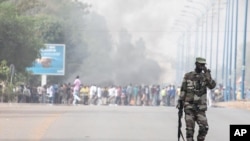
point(31, 122)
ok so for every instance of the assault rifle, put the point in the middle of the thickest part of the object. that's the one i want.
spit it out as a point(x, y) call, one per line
point(180, 112)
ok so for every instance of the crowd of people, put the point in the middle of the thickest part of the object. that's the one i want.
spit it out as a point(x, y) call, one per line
point(139, 95)
point(218, 94)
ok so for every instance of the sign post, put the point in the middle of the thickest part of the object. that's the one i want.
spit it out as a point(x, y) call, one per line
point(44, 80)
point(52, 62)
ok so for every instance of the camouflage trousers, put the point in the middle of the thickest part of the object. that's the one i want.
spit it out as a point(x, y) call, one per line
point(199, 117)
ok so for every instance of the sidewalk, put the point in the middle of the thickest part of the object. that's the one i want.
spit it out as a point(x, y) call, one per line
point(235, 104)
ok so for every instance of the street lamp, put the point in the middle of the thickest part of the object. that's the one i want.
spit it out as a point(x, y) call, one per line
point(206, 6)
point(226, 51)
point(198, 2)
point(217, 45)
point(180, 44)
point(244, 53)
point(231, 47)
point(202, 31)
point(183, 47)
point(186, 41)
point(211, 41)
point(235, 48)
point(192, 50)
point(213, 13)
point(197, 31)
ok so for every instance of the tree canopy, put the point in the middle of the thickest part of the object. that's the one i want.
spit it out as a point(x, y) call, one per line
point(18, 43)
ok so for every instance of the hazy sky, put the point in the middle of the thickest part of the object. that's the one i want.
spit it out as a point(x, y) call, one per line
point(153, 21)
point(149, 19)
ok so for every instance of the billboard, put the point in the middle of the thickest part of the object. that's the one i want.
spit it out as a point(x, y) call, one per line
point(52, 61)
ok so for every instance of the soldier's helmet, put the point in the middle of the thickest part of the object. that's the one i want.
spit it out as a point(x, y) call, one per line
point(201, 60)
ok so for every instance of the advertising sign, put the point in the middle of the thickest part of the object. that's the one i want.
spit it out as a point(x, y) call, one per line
point(52, 61)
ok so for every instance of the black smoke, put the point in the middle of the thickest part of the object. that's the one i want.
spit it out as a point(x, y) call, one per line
point(110, 62)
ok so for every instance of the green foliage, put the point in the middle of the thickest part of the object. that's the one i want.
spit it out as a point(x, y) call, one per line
point(26, 25)
point(9, 94)
point(23, 78)
point(49, 28)
point(18, 43)
point(1, 1)
point(28, 7)
point(4, 70)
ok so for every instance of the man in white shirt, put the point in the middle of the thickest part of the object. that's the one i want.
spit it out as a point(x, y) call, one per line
point(93, 94)
point(99, 95)
point(111, 98)
point(51, 94)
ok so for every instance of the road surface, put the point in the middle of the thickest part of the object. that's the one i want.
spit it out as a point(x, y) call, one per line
point(35, 122)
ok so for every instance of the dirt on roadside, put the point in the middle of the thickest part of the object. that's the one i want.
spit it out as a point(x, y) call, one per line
point(234, 104)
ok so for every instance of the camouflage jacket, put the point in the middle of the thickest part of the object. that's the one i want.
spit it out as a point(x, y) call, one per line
point(194, 90)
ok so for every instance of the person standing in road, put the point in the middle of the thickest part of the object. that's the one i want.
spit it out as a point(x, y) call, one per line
point(129, 92)
point(193, 99)
point(76, 90)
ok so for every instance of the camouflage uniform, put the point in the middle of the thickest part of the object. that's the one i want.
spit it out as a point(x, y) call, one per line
point(194, 99)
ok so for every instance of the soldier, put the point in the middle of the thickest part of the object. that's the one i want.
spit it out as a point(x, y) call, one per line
point(193, 97)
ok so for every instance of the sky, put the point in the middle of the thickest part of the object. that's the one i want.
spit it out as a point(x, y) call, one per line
point(151, 20)
point(147, 19)
point(155, 22)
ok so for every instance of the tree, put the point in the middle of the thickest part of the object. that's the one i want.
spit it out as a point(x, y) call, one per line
point(28, 24)
point(4, 70)
point(49, 28)
point(18, 43)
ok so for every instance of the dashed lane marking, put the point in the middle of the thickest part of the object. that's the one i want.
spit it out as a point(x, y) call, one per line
point(38, 131)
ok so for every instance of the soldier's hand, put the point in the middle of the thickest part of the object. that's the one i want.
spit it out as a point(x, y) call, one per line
point(204, 69)
point(208, 75)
